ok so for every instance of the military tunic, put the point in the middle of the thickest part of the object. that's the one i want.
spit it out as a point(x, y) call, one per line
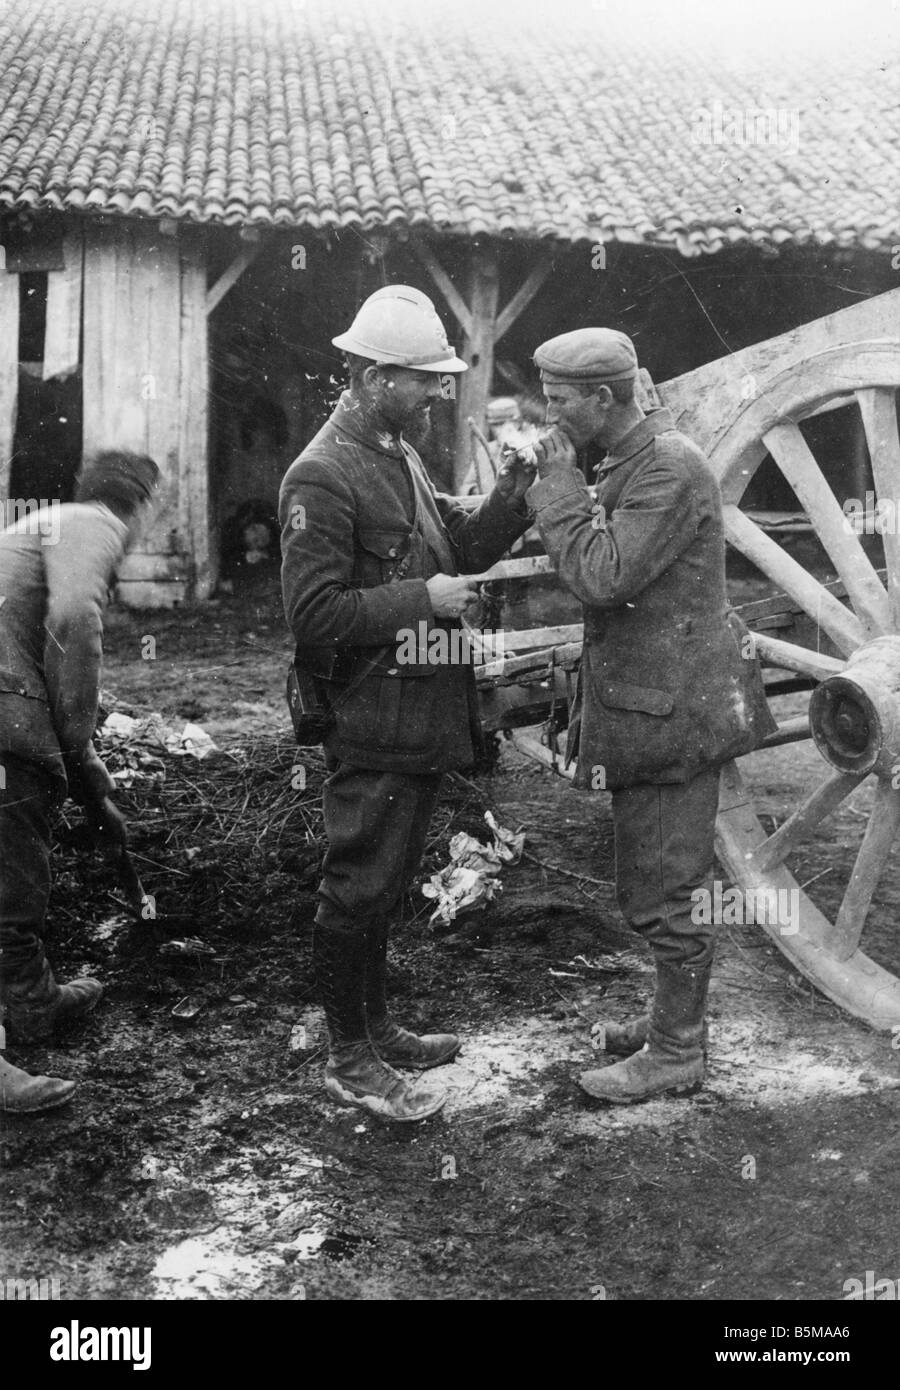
point(668, 688)
point(362, 532)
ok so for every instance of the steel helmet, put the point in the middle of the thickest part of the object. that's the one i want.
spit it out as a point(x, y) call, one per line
point(398, 326)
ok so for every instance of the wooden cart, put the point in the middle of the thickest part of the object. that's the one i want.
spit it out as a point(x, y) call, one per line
point(839, 638)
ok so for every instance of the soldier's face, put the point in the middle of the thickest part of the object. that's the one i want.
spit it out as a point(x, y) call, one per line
point(405, 395)
point(582, 417)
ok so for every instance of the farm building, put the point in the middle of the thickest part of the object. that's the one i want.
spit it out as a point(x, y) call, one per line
point(194, 198)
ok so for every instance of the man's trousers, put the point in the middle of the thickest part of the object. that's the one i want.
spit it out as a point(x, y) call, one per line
point(29, 793)
point(665, 846)
point(376, 825)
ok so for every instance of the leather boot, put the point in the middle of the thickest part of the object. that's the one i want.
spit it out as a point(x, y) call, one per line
point(34, 1005)
point(394, 1044)
point(21, 1094)
point(672, 1059)
point(622, 1039)
point(354, 1073)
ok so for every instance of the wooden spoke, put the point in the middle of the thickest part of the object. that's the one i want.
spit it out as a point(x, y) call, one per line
point(864, 589)
point(842, 626)
point(804, 820)
point(881, 832)
point(878, 408)
point(773, 652)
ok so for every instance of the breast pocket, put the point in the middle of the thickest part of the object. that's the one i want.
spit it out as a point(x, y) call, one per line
point(382, 555)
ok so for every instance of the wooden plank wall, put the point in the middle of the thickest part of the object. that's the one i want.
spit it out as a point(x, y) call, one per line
point(145, 388)
point(9, 372)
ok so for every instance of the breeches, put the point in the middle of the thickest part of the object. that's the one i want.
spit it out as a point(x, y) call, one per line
point(665, 846)
point(376, 824)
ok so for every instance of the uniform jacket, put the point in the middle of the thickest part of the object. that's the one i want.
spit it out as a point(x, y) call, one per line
point(664, 688)
point(362, 531)
point(55, 589)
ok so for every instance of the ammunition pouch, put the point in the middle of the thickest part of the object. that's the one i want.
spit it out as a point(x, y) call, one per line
point(311, 714)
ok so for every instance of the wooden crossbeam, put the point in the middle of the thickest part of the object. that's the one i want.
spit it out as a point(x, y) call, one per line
point(523, 296)
point(229, 278)
point(455, 302)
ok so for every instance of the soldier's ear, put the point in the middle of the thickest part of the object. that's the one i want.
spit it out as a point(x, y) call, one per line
point(604, 395)
point(371, 376)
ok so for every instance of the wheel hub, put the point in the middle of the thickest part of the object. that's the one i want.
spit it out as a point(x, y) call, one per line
point(854, 717)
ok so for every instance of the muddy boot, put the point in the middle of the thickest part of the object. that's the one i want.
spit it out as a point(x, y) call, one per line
point(35, 1005)
point(21, 1094)
point(394, 1044)
point(354, 1073)
point(672, 1060)
point(621, 1039)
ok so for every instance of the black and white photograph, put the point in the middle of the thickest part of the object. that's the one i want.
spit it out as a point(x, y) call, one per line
point(450, 668)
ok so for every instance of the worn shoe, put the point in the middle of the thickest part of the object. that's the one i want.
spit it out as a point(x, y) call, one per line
point(672, 1061)
point(34, 1005)
point(359, 1077)
point(21, 1094)
point(646, 1074)
point(400, 1048)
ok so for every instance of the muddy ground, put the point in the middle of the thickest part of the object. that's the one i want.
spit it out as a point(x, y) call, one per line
point(205, 1161)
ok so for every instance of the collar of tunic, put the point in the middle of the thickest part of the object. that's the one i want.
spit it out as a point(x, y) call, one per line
point(655, 422)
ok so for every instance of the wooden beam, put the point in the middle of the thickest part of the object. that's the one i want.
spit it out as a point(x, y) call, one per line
point(474, 386)
point(9, 374)
point(229, 278)
point(523, 296)
point(194, 511)
point(455, 302)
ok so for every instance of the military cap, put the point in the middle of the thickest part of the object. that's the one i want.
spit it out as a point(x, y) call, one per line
point(587, 354)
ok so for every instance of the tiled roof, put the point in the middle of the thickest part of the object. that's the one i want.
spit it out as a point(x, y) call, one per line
point(334, 116)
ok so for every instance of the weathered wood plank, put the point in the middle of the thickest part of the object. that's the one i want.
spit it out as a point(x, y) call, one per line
point(9, 373)
point(132, 326)
point(704, 401)
point(517, 569)
point(194, 511)
point(63, 327)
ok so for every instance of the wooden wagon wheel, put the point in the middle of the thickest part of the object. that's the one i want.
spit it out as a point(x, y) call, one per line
point(855, 707)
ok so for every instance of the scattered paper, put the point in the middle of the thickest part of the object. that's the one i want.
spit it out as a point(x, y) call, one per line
point(469, 881)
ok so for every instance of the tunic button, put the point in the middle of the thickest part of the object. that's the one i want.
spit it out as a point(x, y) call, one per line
point(392, 671)
point(393, 551)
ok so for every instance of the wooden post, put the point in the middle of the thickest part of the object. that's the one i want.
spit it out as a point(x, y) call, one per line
point(194, 513)
point(474, 386)
point(9, 371)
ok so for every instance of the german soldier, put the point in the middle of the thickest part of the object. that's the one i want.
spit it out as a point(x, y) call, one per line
point(370, 551)
point(667, 689)
point(55, 571)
